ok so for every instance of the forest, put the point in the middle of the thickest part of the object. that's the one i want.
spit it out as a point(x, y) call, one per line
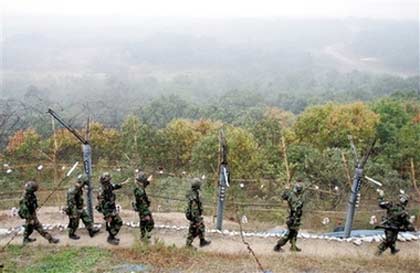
point(177, 136)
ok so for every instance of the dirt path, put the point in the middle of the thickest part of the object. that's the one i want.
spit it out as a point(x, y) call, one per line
point(348, 62)
point(220, 243)
point(228, 244)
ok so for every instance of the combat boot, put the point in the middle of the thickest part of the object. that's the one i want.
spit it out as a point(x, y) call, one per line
point(73, 236)
point(394, 251)
point(53, 240)
point(28, 240)
point(145, 238)
point(190, 246)
point(281, 242)
point(113, 241)
point(93, 231)
point(277, 248)
point(204, 242)
point(379, 252)
point(189, 243)
point(294, 248)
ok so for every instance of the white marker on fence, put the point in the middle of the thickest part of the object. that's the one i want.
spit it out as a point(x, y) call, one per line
point(72, 168)
point(373, 181)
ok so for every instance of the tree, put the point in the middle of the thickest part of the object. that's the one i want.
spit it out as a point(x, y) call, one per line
point(329, 125)
point(398, 132)
point(244, 157)
point(181, 136)
point(25, 145)
point(268, 132)
point(105, 142)
point(392, 117)
point(162, 110)
point(68, 147)
point(143, 144)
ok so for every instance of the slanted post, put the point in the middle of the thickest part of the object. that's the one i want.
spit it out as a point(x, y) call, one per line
point(223, 180)
point(87, 158)
point(355, 189)
point(87, 164)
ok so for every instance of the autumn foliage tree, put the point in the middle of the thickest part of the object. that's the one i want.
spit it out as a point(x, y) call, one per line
point(329, 125)
point(25, 145)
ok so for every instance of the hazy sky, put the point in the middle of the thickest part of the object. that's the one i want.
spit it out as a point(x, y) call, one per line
point(389, 9)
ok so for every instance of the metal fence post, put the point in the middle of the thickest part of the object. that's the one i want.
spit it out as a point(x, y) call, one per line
point(223, 180)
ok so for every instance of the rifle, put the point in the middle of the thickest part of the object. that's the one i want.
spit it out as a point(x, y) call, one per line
point(405, 229)
point(59, 183)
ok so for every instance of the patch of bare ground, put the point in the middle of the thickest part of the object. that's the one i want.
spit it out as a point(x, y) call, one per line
point(166, 252)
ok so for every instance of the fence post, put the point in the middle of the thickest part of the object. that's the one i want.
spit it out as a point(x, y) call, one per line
point(87, 157)
point(355, 189)
point(224, 177)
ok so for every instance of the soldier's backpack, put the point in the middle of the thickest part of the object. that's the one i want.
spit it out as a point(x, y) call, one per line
point(100, 203)
point(188, 213)
point(22, 212)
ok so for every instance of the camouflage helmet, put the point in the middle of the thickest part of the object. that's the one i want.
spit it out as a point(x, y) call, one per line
point(404, 199)
point(298, 188)
point(196, 184)
point(105, 177)
point(141, 177)
point(31, 186)
point(83, 179)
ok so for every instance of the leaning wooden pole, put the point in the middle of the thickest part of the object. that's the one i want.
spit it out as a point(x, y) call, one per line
point(346, 168)
point(286, 161)
point(413, 177)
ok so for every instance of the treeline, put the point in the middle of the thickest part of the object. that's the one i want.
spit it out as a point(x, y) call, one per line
point(110, 99)
point(316, 141)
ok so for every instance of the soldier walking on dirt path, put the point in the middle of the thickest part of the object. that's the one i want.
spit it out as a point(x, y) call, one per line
point(396, 219)
point(106, 205)
point(27, 210)
point(295, 199)
point(142, 204)
point(75, 209)
point(194, 213)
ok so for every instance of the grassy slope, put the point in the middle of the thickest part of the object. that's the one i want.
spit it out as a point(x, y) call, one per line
point(162, 258)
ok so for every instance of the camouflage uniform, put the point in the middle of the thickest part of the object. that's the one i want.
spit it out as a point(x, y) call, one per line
point(295, 200)
point(75, 209)
point(106, 205)
point(27, 210)
point(397, 219)
point(141, 205)
point(194, 215)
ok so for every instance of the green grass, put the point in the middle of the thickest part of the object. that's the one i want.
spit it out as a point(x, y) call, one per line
point(55, 260)
point(162, 258)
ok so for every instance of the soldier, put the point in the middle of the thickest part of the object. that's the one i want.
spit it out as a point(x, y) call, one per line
point(295, 200)
point(397, 219)
point(142, 204)
point(27, 210)
point(75, 209)
point(106, 205)
point(194, 215)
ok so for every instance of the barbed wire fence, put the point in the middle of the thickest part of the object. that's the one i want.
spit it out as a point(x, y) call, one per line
point(169, 189)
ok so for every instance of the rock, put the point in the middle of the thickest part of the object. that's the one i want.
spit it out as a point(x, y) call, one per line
point(401, 238)
point(357, 242)
point(3, 231)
